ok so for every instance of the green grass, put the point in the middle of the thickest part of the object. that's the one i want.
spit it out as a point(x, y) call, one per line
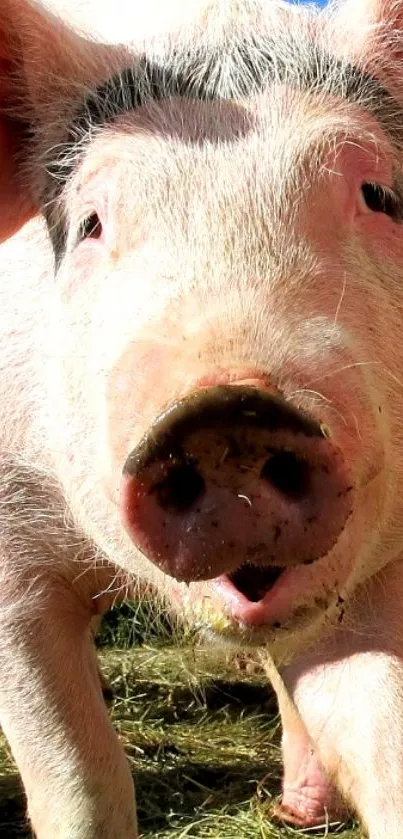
point(201, 736)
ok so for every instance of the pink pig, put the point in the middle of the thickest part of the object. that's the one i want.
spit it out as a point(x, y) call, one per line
point(201, 378)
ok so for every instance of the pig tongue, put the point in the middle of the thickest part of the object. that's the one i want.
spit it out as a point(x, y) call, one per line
point(254, 581)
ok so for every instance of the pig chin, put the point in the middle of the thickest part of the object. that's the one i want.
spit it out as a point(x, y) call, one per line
point(258, 604)
point(280, 608)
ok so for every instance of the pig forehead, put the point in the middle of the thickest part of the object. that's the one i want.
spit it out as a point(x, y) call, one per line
point(235, 203)
point(229, 73)
point(233, 72)
point(184, 147)
point(206, 157)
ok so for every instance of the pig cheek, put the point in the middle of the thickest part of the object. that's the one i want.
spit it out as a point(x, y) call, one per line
point(146, 377)
point(117, 374)
point(383, 238)
point(83, 273)
point(133, 400)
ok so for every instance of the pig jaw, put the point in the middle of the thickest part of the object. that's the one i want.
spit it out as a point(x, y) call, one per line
point(302, 603)
point(299, 602)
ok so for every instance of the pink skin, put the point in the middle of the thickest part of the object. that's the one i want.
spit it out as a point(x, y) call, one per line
point(66, 733)
point(152, 309)
point(309, 798)
point(334, 687)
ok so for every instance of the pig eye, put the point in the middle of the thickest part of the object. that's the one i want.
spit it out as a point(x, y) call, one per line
point(379, 199)
point(90, 228)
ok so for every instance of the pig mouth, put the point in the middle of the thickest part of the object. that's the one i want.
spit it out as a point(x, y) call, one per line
point(253, 581)
point(256, 596)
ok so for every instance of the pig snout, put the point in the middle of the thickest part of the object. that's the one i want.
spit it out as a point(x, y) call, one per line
point(233, 475)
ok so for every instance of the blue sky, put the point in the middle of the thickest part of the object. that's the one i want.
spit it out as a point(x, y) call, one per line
point(318, 2)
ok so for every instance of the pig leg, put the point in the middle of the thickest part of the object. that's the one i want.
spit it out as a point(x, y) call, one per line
point(309, 797)
point(350, 696)
point(52, 711)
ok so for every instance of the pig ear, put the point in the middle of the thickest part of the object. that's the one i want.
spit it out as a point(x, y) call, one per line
point(375, 12)
point(15, 207)
point(372, 33)
point(40, 59)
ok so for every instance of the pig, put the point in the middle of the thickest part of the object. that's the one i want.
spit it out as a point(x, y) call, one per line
point(201, 210)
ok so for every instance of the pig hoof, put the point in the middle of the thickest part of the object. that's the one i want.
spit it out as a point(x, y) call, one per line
point(303, 810)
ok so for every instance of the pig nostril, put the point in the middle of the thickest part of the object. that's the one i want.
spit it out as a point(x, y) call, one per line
point(179, 490)
point(287, 473)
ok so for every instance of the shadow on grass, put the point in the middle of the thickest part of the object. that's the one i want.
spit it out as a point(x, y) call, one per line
point(13, 822)
point(161, 793)
point(171, 704)
point(250, 698)
point(167, 800)
point(192, 789)
point(190, 767)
